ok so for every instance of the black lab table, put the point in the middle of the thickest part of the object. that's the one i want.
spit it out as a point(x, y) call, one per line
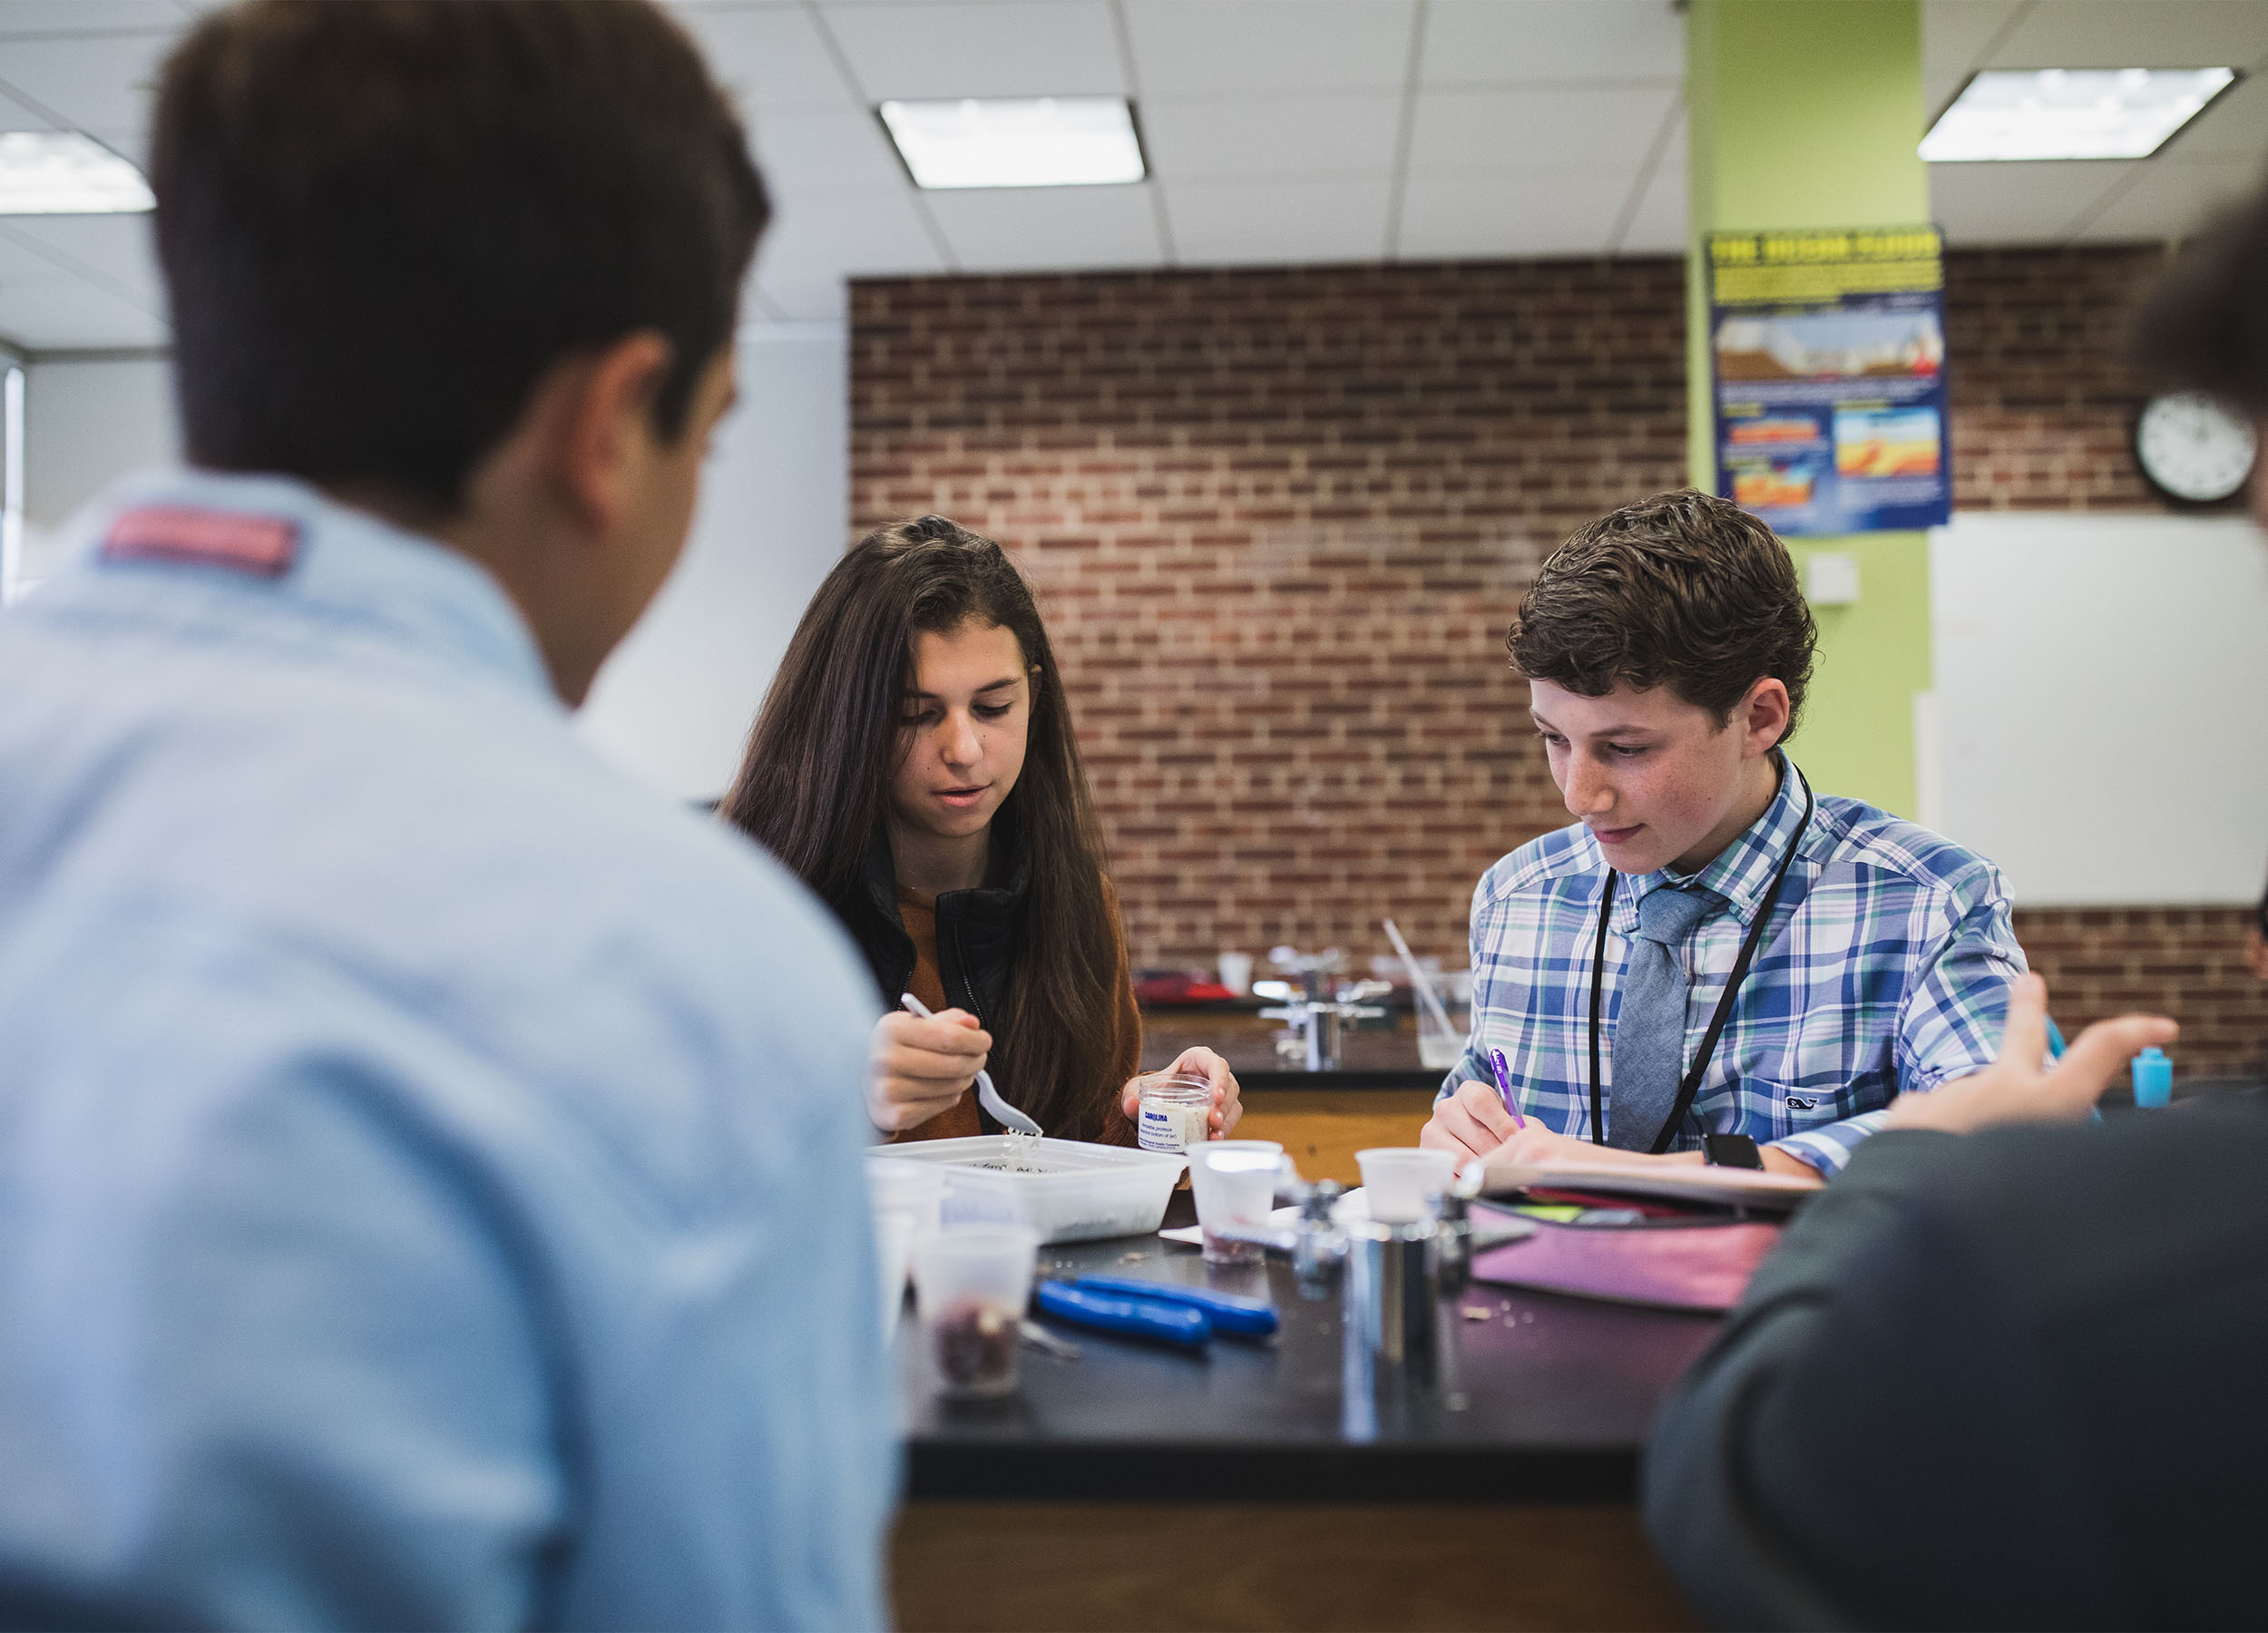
point(1249, 1487)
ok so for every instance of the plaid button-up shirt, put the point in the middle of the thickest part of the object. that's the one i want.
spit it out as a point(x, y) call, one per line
point(1885, 968)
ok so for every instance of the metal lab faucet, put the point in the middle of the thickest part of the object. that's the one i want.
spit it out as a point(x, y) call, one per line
point(1315, 1006)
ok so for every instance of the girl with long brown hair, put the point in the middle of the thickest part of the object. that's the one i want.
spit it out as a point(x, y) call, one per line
point(915, 764)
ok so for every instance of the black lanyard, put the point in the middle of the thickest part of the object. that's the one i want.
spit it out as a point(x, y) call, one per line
point(1686, 1088)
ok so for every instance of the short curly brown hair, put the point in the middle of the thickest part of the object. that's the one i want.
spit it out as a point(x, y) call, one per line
point(1684, 589)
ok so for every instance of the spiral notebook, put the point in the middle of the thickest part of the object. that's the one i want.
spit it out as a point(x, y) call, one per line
point(1681, 1183)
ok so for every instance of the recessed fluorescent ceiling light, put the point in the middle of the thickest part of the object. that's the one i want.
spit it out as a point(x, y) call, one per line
point(1017, 142)
point(47, 173)
point(2071, 113)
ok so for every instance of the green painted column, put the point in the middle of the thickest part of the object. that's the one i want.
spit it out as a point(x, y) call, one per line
point(1806, 113)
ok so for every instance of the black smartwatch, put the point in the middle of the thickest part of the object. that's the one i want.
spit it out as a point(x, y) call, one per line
point(1731, 1151)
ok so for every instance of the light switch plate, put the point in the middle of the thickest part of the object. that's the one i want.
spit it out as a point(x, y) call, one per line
point(1831, 578)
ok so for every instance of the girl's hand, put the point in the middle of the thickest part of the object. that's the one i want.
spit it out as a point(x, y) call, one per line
point(1227, 1106)
point(919, 1067)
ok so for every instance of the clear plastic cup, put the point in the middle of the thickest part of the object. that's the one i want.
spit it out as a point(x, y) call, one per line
point(1235, 1181)
point(1403, 1184)
point(1175, 1110)
point(914, 1188)
point(970, 1284)
point(894, 1231)
point(1440, 1048)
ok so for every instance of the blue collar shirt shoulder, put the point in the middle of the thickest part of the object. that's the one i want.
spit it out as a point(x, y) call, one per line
point(349, 573)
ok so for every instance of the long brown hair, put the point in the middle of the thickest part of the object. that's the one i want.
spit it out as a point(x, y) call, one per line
point(814, 790)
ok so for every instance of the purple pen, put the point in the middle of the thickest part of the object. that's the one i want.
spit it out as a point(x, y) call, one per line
point(1504, 1087)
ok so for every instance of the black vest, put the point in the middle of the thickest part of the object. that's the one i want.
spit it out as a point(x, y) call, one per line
point(977, 929)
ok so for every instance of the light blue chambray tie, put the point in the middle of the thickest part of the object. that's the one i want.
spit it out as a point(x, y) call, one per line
point(1649, 1044)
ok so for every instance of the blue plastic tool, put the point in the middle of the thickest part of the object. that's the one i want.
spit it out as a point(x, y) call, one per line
point(1180, 1325)
point(2153, 1078)
point(1246, 1317)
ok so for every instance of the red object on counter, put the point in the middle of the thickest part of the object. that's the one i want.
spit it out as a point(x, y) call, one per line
point(1179, 989)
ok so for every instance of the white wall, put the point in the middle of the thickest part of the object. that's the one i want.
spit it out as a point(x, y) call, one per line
point(2101, 707)
point(85, 425)
point(674, 703)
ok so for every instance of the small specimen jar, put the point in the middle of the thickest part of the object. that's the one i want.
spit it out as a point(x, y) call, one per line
point(1175, 1110)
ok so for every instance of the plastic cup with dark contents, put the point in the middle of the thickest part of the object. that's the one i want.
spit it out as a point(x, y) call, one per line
point(970, 1284)
point(1235, 1181)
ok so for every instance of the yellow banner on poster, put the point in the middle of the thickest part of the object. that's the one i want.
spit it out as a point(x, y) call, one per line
point(1796, 268)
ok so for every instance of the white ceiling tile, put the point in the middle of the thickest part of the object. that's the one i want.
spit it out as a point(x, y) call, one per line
point(2173, 198)
point(2034, 203)
point(1954, 34)
point(88, 16)
point(804, 149)
point(1604, 128)
point(22, 263)
point(1253, 47)
point(1475, 41)
point(1276, 223)
point(1282, 136)
point(982, 48)
point(16, 116)
point(878, 230)
point(768, 56)
point(45, 316)
point(2234, 127)
point(98, 84)
point(1512, 214)
point(115, 252)
point(2125, 34)
point(1039, 229)
point(132, 143)
point(1657, 226)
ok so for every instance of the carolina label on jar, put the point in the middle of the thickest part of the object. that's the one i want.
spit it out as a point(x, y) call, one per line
point(1170, 1127)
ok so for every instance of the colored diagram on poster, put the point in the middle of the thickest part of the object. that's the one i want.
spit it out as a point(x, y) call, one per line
point(1828, 355)
point(1879, 444)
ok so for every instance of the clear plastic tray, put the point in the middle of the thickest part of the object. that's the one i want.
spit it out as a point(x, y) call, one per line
point(1081, 1193)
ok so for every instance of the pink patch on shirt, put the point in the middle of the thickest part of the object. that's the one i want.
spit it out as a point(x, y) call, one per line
point(266, 545)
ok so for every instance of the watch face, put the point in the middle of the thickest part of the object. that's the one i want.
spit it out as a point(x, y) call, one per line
point(2193, 449)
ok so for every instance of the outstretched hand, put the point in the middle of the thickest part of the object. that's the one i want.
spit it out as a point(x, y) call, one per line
point(2017, 1086)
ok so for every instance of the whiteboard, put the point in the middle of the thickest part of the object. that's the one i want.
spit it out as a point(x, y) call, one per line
point(2100, 718)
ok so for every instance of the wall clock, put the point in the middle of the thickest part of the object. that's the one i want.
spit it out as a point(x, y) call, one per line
point(2193, 449)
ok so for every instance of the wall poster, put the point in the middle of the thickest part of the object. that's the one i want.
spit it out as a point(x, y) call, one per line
point(1828, 355)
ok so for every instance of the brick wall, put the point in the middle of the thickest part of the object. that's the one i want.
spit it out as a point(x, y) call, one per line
point(2042, 413)
point(1280, 519)
point(2186, 961)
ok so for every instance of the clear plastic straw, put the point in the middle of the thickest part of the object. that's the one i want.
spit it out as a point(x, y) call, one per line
point(1426, 993)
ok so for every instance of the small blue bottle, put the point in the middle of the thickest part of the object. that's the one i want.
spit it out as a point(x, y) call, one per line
point(2153, 1078)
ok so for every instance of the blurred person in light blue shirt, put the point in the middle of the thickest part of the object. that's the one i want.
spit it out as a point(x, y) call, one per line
point(429, 1164)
